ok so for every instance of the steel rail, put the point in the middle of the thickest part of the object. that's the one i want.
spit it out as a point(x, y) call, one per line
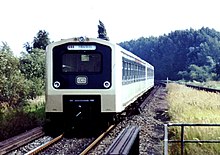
point(97, 140)
point(20, 140)
point(149, 97)
point(203, 88)
point(43, 146)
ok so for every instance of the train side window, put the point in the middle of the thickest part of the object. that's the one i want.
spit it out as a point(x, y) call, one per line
point(132, 71)
point(141, 72)
point(129, 70)
point(150, 73)
point(135, 72)
point(123, 70)
point(126, 70)
point(138, 69)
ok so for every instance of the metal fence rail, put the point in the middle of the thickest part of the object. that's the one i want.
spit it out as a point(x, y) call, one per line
point(182, 141)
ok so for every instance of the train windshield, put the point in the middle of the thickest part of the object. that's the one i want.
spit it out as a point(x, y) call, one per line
point(82, 62)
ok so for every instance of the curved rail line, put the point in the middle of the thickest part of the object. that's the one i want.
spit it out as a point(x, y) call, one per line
point(149, 97)
point(203, 88)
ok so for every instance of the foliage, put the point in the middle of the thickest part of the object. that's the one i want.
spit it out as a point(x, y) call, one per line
point(16, 121)
point(32, 64)
point(40, 41)
point(182, 54)
point(22, 78)
point(13, 85)
point(102, 31)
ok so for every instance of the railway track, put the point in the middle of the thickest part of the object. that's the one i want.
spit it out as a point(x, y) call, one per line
point(149, 121)
point(20, 140)
point(204, 88)
point(25, 143)
point(45, 145)
point(150, 96)
point(90, 143)
point(94, 143)
point(78, 146)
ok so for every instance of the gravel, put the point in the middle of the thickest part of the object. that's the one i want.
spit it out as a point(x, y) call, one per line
point(150, 121)
point(36, 143)
point(67, 146)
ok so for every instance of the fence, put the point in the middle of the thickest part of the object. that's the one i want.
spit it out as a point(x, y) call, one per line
point(182, 141)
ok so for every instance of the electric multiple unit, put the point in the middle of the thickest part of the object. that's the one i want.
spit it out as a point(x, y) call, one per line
point(90, 78)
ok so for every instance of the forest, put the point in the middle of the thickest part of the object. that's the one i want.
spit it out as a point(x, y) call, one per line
point(190, 55)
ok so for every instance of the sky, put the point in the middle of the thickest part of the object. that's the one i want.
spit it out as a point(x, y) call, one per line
point(124, 20)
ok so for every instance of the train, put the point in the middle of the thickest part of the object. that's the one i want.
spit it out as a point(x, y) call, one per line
point(89, 80)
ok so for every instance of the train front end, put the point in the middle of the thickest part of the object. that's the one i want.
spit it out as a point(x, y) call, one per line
point(79, 81)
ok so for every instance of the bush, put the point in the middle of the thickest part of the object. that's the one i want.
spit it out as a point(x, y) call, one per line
point(13, 85)
point(14, 122)
point(32, 66)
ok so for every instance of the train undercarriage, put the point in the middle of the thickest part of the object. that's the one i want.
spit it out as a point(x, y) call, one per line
point(81, 114)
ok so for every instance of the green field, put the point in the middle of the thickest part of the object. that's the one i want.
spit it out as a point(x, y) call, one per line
point(14, 121)
point(187, 105)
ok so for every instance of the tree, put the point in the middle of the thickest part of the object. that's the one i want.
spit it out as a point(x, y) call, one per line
point(217, 67)
point(5, 48)
point(32, 65)
point(198, 73)
point(28, 47)
point(41, 40)
point(187, 54)
point(13, 85)
point(102, 31)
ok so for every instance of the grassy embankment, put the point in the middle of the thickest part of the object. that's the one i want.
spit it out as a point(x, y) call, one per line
point(192, 106)
point(14, 121)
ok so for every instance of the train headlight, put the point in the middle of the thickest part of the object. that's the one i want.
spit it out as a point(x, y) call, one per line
point(106, 84)
point(81, 39)
point(56, 84)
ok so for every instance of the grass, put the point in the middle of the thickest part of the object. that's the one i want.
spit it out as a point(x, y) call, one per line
point(192, 106)
point(14, 121)
point(35, 104)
